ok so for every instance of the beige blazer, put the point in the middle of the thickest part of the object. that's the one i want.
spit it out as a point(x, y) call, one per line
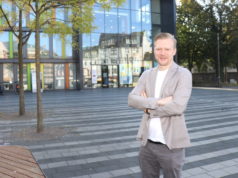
point(178, 84)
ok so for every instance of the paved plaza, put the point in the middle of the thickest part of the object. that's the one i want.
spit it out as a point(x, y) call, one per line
point(100, 133)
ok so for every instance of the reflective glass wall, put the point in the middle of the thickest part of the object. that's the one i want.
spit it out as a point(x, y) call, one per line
point(58, 68)
point(122, 41)
point(113, 55)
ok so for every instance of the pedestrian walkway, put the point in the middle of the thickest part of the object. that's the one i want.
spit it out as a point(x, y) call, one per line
point(101, 129)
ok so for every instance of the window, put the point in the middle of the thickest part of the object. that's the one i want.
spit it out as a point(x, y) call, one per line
point(155, 6)
point(59, 76)
point(124, 21)
point(135, 21)
point(72, 76)
point(57, 46)
point(125, 5)
point(48, 76)
point(99, 20)
point(136, 5)
point(31, 46)
point(4, 47)
point(145, 5)
point(111, 25)
point(68, 46)
point(44, 45)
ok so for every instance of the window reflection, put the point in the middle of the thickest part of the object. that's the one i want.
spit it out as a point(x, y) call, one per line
point(97, 53)
point(145, 5)
point(125, 5)
point(57, 46)
point(4, 47)
point(59, 14)
point(31, 46)
point(124, 21)
point(136, 4)
point(59, 76)
point(68, 46)
point(146, 21)
point(72, 76)
point(44, 45)
point(8, 73)
point(87, 60)
point(48, 76)
point(111, 25)
point(135, 21)
point(98, 20)
point(14, 44)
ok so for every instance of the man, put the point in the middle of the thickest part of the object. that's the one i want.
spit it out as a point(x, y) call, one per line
point(162, 93)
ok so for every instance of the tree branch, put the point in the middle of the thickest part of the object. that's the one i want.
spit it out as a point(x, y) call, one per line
point(8, 22)
point(26, 37)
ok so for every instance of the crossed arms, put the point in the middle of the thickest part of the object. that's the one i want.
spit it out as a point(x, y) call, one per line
point(172, 105)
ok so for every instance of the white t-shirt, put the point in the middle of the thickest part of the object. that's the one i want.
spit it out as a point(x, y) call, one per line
point(155, 129)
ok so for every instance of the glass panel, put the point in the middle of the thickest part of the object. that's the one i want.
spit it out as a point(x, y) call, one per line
point(57, 46)
point(59, 76)
point(99, 21)
point(25, 82)
point(113, 76)
point(136, 5)
point(86, 60)
point(145, 5)
point(59, 14)
point(146, 21)
point(147, 46)
point(48, 76)
point(68, 46)
point(8, 76)
point(124, 21)
point(155, 6)
point(7, 7)
point(136, 21)
point(31, 46)
point(23, 18)
point(111, 23)
point(125, 5)
point(44, 45)
point(72, 76)
point(97, 49)
point(15, 46)
point(156, 19)
point(4, 47)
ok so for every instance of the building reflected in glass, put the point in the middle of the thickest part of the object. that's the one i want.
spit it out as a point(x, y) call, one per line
point(113, 55)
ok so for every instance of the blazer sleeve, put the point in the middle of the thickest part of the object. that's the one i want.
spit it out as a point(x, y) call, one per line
point(180, 97)
point(135, 99)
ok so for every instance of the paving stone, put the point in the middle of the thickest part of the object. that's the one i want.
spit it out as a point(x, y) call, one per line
point(101, 133)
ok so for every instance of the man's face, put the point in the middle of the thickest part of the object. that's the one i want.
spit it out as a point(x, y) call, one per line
point(164, 52)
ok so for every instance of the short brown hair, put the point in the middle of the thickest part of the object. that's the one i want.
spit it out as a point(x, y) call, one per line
point(165, 36)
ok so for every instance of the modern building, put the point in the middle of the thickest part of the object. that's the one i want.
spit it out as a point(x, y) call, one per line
point(112, 55)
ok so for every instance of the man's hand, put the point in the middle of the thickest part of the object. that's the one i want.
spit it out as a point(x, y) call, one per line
point(143, 94)
point(165, 101)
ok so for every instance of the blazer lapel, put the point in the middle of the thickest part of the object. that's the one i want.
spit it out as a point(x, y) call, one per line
point(169, 75)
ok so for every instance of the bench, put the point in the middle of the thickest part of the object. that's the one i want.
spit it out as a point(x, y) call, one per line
point(18, 161)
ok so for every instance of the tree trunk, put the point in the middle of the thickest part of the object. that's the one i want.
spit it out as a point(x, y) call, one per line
point(20, 65)
point(40, 125)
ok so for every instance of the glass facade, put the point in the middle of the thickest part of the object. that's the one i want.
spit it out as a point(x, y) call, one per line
point(122, 42)
point(114, 54)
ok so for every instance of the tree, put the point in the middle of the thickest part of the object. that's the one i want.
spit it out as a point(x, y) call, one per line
point(81, 20)
point(13, 22)
point(199, 24)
